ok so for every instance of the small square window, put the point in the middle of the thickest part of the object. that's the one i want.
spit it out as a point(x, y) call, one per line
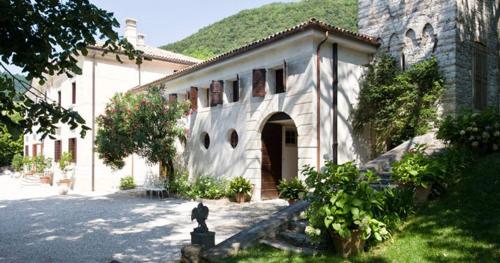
point(291, 137)
point(279, 81)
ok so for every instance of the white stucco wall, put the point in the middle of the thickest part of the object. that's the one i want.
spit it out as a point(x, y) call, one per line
point(110, 77)
point(249, 115)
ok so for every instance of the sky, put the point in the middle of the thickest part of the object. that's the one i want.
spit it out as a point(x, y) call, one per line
point(166, 21)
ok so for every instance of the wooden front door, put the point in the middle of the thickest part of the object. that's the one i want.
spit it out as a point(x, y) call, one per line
point(271, 160)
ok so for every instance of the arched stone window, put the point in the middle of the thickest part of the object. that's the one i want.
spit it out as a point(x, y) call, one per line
point(429, 40)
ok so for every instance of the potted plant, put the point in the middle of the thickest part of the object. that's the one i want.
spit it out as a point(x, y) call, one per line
point(292, 190)
point(27, 165)
point(343, 205)
point(416, 170)
point(241, 188)
point(65, 166)
point(41, 164)
point(17, 164)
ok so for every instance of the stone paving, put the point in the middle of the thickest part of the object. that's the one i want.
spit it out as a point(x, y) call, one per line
point(37, 225)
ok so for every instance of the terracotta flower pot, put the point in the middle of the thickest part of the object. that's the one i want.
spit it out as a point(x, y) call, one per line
point(292, 201)
point(422, 194)
point(240, 197)
point(350, 246)
point(64, 185)
point(45, 179)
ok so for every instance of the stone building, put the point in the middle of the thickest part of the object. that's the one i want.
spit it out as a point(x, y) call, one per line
point(462, 34)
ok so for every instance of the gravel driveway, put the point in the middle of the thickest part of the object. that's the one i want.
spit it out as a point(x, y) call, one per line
point(37, 225)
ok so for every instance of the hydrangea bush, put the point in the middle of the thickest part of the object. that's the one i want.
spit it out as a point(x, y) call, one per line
point(478, 131)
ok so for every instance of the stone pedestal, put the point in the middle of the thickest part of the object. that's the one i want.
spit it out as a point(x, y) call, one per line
point(205, 240)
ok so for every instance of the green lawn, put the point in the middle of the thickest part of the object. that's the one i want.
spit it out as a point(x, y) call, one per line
point(462, 226)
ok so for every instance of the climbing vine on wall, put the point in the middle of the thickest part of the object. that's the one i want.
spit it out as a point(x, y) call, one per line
point(395, 105)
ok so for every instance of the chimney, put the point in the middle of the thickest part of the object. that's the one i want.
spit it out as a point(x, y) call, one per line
point(140, 40)
point(131, 30)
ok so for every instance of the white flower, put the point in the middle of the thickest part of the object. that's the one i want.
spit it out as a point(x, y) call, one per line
point(474, 129)
point(323, 181)
point(475, 144)
point(495, 147)
point(496, 134)
point(469, 128)
point(471, 138)
point(462, 132)
point(486, 135)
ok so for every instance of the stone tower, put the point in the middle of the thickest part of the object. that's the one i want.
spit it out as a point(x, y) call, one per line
point(462, 34)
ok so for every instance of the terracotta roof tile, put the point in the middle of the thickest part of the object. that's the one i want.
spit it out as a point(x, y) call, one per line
point(310, 24)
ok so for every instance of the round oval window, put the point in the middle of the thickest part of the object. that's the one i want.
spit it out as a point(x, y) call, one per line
point(233, 138)
point(205, 140)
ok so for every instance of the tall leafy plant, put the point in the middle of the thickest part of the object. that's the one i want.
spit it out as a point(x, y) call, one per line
point(395, 105)
point(342, 201)
point(142, 123)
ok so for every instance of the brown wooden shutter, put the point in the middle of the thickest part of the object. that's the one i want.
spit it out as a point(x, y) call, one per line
point(193, 96)
point(72, 148)
point(480, 77)
point(172, 97)
point(26, 150)
point(259, 83)
point(216, 91)
point(73, 93)
point(33, 150)
point(57, 150)
point(59, 98)
point(285, 74)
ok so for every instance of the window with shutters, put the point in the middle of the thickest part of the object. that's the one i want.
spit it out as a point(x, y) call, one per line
point(57, 150)
point(73, 93)
point(72, 148)
point(259, 83)
point(172, 98)
point(204, 95)
point(59, 98)
point(216, 92)
point(193, 98)
point(235, 90)
point(279, 86)
point(480, 76)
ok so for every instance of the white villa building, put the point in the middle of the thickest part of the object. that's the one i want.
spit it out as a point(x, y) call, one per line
point(266, 109)
point(88, 93)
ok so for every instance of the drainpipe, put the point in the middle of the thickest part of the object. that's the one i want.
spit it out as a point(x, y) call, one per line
point(335, 139)
point(93, 122)
point(318, 105)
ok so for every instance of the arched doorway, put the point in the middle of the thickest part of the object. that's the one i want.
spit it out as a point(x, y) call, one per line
point(279, 153)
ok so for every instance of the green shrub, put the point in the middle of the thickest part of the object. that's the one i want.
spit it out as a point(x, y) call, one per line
point(209, 187)
point(65, 161)
point(479, 132)
point(343, 201)
point(293, 189)
point(416, 168)
point(180, 185)
point(27, 163)
point(127, 182)
point(397, 205)
point(17, 162)
point(41, 163)
point(240, 185)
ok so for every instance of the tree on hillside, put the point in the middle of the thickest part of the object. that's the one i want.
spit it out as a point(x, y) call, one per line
point(143, 123)
point(253, 24)
point(44, 37)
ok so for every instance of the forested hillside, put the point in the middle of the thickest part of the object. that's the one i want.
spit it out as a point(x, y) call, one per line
point(252, 24)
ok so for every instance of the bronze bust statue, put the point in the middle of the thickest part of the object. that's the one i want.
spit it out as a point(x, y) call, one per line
point(200, 213)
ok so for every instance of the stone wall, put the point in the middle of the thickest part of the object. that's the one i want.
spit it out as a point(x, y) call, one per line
point(478, 24)
point(415, 29)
